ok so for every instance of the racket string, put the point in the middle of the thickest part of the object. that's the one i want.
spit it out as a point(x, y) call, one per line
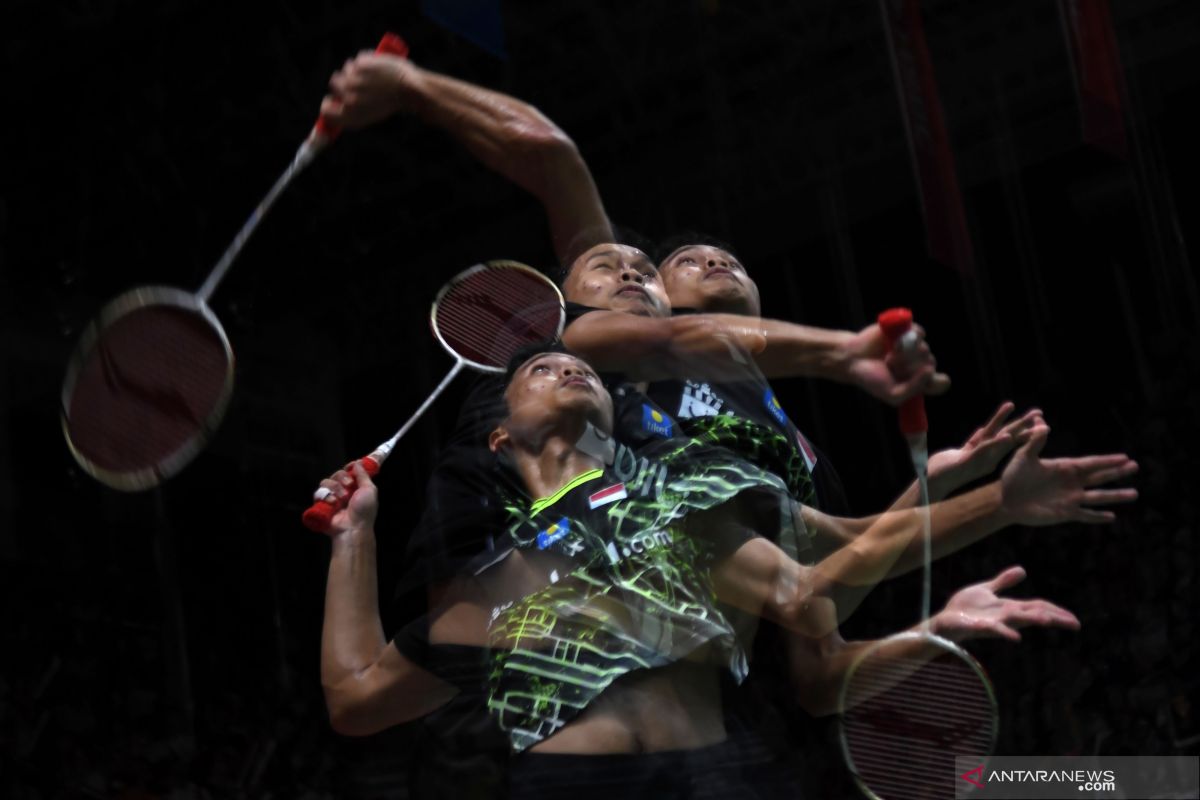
point(490, 313)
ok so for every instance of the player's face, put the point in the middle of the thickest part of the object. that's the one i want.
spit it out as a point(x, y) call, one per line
point(709, 279)
point(553, 388)
point(617, 277)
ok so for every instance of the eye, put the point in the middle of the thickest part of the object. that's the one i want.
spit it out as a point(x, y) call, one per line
point(686, 260)
point(540, 368)
point(602, 265)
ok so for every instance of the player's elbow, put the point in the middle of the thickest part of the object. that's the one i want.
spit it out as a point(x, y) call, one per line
point(348, 708)
point(533, 136)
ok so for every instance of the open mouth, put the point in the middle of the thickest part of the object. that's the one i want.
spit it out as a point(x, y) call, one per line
point(632, 289)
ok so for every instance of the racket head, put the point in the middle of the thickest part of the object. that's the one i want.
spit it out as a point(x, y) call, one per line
point(146, 387)
point(487, 312)
point(901, 733)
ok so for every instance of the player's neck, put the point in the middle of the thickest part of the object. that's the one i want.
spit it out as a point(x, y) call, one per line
point(736, 305)
point(557, 462)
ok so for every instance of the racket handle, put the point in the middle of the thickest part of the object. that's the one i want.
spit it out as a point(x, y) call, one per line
point(390, 44)
point(896, 323)
point(319, 516)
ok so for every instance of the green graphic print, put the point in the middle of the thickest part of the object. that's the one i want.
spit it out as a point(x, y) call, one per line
point(759, 445)
point(638, 595)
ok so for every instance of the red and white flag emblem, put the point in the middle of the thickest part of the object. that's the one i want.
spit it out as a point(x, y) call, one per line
point(605, 496)
point(806, 449)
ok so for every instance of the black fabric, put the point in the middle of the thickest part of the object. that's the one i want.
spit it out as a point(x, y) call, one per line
point(740, 768)
point(463, 753)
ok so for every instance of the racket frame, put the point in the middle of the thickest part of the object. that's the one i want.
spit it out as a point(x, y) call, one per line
point(319, 514)
point(122, 305)
point(930, 638)
point(463, 276)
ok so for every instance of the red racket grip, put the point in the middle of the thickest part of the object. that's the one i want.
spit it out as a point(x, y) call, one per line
point(319, 516)
point(895, 322)
point(390, 44)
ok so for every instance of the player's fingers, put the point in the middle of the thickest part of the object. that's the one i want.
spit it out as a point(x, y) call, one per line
point(1107, 497)
point(1042, 612)
point(910, 386)
point(998, 443)
point(1094, 462)
point(1004, 631)
point(998, 417)
point(1026, 420)
point(331, 109)
point(938, 384)
point(1110, 474)
point(1093, 517)
point(330, 491)
point(1008, 578)
point(360, 474)
point(1037, 441)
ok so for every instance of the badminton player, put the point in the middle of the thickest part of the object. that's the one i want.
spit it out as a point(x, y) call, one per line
point(517, 141)
point(370, 684)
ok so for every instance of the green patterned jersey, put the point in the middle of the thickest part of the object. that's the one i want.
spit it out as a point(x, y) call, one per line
point(625, 588)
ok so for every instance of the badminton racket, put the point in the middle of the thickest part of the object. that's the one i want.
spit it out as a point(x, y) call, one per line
point(482, 317)
point(912, 703)
point(151, 376)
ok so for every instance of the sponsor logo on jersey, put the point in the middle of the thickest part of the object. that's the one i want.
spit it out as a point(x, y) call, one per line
point(776, 410)
point(643, 477)
point(605, 496)
point(699, 400)
point(552, 534)
point(642, 543)
point(655, 421)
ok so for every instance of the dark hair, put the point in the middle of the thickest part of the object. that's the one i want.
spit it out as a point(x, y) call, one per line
point(670, 245)
point(528, 351)
point(615, 235)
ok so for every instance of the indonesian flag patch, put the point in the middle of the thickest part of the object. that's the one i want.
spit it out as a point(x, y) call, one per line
point(806, 449)
point(605, 496)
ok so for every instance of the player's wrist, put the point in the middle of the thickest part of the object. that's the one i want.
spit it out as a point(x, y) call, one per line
point(358, 535)
point(840, 356)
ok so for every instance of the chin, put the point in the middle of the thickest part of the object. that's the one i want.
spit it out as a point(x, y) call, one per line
point(634, 306)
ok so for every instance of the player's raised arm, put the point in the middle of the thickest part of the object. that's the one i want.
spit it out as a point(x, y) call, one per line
point(369, 685)
point(505, 134)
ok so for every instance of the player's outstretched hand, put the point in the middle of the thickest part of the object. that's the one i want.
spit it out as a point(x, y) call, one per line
point(1047, 491)
point(978, 611)
point(983, 450)
point(356, 486)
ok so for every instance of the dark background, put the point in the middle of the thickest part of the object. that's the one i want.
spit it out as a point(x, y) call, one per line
point(169, 640)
